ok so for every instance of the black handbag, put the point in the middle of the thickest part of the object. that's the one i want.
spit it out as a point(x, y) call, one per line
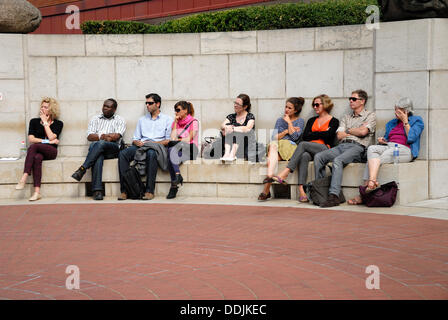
point(384, 196)
point(317, 191)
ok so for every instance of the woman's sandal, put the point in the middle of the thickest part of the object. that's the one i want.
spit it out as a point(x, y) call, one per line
point(268, 180)
point(303, 199)
point(355, 201)
point(376, 185)
point(279, 180)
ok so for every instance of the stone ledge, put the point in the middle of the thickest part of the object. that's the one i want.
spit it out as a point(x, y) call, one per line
point(206, 178)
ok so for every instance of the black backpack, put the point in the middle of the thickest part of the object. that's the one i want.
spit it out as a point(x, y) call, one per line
point(317, 191)
point(133, 184)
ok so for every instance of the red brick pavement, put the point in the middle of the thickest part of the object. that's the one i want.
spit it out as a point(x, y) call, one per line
point(164, 251)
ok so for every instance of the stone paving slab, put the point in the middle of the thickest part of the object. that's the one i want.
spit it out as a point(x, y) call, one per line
point(150, 250)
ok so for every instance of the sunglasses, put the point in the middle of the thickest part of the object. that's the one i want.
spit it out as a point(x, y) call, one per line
point(315, 105)
point(176, 110)
point(149, 103)
point(354, 99)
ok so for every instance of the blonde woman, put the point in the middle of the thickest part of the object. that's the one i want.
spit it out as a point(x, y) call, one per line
point(43, 136)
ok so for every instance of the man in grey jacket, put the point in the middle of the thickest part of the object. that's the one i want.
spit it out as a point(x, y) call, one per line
point(154, 127)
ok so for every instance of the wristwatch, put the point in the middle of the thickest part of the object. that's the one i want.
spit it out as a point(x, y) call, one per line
point(45, 124)
point(346, 131)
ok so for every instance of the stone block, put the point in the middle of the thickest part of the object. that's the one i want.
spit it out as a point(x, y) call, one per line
point(343, 37)
point(438, 171)
point(13, 131)
point(11, 171)
point(198, 190)
point(42, 77)
point(13, 96)
point(269, 110)
point(66, 190)
point(11, 56)
point(258, 75)
point(309, 72)
point(228, 42)
point(51, 171)
point(73, 151)
point(210, 170)
point(402, 46)
point(136, 77)
point(201, 77)
point(286, 40)
point(358, 71)
point(214, 112)
point(8, 191)
point(352, 175)
point(171, 44)
point(88, 78)
point(439, 48)
point(438, 93)
point(438, 131)
point(114, 44)
point(74, 116)
point(56, 45)
point(236, 190)
point(390, 87)
point(69, 166)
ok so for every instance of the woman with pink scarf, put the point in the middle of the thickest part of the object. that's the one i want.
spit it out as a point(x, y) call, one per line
point(183, 144)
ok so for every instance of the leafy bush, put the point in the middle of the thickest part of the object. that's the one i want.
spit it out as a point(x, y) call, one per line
point(280, 16)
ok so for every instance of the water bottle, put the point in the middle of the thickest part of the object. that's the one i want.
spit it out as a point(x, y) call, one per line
point(22, 152)
point(396, 154)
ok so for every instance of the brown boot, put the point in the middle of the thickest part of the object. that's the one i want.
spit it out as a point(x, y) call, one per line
point(123, 196)
point(148, 196)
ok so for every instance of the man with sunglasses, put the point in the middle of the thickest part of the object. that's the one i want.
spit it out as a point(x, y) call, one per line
point(105, 131)
point(355, 134)
point(154, 127)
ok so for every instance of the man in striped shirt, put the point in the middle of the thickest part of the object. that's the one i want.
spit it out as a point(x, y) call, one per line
point(105, 131)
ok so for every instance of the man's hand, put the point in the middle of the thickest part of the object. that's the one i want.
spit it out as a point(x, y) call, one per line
point(138, 143)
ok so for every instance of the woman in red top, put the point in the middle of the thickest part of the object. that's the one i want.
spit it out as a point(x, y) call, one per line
point(319, 135)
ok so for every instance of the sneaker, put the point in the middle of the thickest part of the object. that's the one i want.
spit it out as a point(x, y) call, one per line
point(148, 196)
point(173, 192)
point(79, 173)
point(332, 201)
point(97, 195)
point(20, 185)
point(35, 196)
point(123, 196)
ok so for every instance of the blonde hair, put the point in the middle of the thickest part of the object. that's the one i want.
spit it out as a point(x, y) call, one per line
point(327, 104)
point(53, 108)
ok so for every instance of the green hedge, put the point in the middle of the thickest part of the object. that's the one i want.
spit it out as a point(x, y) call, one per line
point(280, 16)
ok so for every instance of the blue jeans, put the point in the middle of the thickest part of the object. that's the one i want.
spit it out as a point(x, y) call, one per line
point(341, 155)
point(95, 158)
point(127, 155)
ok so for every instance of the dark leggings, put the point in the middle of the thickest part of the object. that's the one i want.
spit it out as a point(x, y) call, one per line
point(36, 153)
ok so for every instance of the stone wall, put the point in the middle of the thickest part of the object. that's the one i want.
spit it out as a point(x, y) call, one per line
point(405, 58)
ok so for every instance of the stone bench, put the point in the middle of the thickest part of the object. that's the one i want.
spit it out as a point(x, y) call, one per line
point(205, 178)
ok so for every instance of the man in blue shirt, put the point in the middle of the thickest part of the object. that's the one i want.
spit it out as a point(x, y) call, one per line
point(155, 127)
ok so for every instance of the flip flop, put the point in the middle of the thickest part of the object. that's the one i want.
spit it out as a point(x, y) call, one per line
point(303, 199)
point(279, 180)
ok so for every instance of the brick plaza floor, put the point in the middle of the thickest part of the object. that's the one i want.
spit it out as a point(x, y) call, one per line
point(164, 251)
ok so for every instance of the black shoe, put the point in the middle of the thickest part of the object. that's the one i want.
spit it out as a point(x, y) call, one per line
point(173, 192)
point(332, 201)
point(97, 195)
point(179, 180)
point(79, 173)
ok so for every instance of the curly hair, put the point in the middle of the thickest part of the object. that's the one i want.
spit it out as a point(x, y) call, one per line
point(53, 108)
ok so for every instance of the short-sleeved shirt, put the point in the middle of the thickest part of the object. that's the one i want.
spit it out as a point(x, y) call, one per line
point(350, 121)
point(193, 127)
point(232, 118)
point(158, 129)
point(281, 125)
point(99, 125)
point(38, 131)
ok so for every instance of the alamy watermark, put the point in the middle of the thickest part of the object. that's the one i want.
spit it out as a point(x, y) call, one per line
point(72, 281)
point(73, 20)
point(373, 21)
point(373, 281)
